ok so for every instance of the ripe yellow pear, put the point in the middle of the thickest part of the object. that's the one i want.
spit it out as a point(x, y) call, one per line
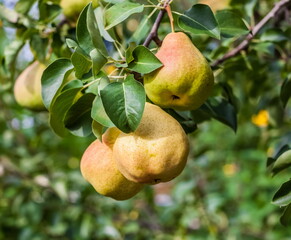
point(99, 169)
point(27, 87)
point(185, 80)
point(73, 8)
point(156, 152)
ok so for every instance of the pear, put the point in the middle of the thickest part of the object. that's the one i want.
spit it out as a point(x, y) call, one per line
point(99, 168)
point(185, 80)
point(73, 8)
point(156, 152)
point(27, 87)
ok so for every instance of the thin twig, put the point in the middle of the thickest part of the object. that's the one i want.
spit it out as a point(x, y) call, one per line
point(245, 43)
point(153, 35)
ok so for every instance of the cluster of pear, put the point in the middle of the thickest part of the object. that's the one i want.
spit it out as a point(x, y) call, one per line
point(122, 163)
point(157, 151)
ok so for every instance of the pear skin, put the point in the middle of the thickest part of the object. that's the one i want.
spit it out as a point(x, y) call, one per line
point(156, 152)
point(99, 169)
point(27, 87)
point(185, 80)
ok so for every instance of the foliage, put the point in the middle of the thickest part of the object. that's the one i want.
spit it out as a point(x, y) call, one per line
point(224, 192)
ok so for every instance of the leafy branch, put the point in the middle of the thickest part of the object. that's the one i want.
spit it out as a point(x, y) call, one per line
point(245, 43)
point(153, 35)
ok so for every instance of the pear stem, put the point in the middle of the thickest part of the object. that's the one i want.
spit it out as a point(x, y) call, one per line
point(169, 12)
point(245, 43)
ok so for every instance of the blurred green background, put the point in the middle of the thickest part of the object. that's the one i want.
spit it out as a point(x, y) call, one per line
point(225, 191)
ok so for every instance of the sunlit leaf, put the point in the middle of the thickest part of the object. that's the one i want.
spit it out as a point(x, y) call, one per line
point(230, 23)
point(283, 195)
point(144, 61)
point(199, 20)
point(124, 103)
point(121, 11)
point(52, 79)
point(282, 162)
point(87, 32)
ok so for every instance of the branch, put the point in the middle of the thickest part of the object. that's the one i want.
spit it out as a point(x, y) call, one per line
point(153, 35)
point(244, 44)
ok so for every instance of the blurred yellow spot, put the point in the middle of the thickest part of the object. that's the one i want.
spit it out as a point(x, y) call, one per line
point(261, 119)
point(133, 215)
point(270, 151)
point(132, 25)
point(109, 69)
point(229, 169)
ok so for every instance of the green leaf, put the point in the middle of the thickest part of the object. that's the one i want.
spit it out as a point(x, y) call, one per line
point(221, 110)
point(282, 162)
point(124, 103)
point(78, 118)
point(82, 33)
point(98, 61)
point(271, 160)
point(52, 79)
point(283, 195)
point(286, 216)
point(264, 48)
point(99, 13)
point(128, 53)
point(285, 93)
point(71, 43)
point(24, 6)
point(48, 11)
point(82, 64)
point(144, 61)
point(60, 107)
point(121, 11)
point(94, 31)
point(98, 113)
point(199, 20)
point(87, 32)
point(230, 23)
point(273, 35)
